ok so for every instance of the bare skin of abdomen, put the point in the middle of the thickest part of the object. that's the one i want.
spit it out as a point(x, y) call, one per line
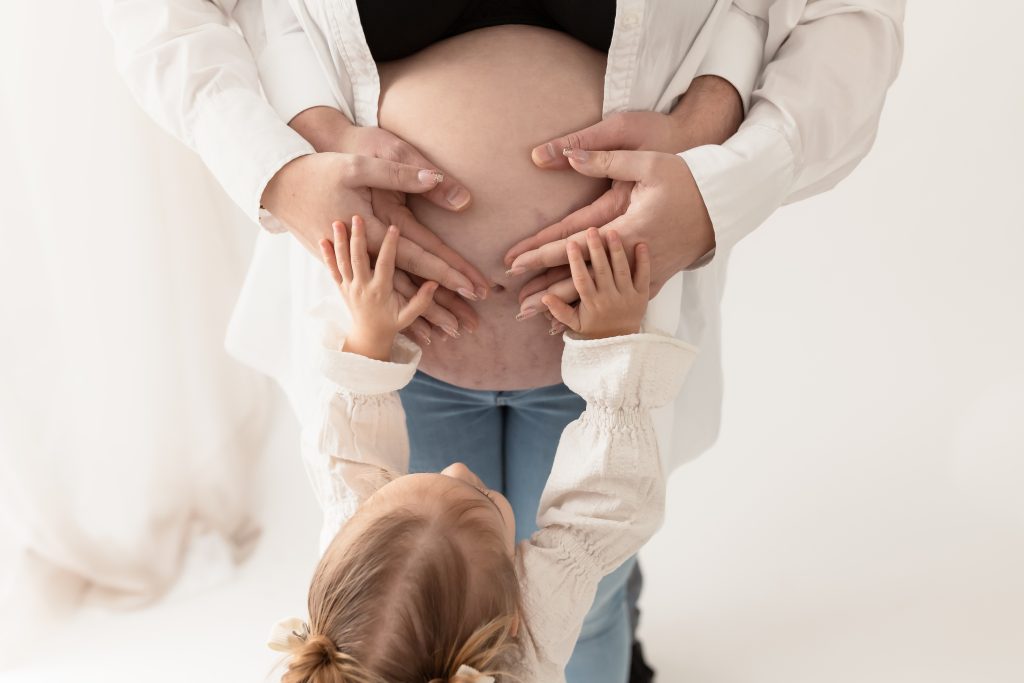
point(476, 104)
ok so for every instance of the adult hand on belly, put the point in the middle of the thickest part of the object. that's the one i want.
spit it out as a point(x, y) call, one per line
point(367, 172)
point(664, 208)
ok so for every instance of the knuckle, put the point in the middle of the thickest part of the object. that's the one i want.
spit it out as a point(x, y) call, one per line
point(394, 150)
point(355, 165)
point(395, 173)
point(575, 141)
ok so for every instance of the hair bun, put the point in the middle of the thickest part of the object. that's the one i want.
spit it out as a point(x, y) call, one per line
point(316, 654)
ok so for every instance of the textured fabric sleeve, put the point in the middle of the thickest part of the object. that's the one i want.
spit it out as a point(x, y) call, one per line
point(814, 114)
point(195, 75)
point(357, 441)
point(606, 493)
point(736, 52)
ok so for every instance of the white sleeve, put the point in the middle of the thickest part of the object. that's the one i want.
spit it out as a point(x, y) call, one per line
point(814, 115)
point(605, 495)
point(293, 78)
point(357, 441)
point(736, 52)
point(194, 73)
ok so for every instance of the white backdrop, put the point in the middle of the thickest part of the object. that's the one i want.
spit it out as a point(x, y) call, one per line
point(860, 519)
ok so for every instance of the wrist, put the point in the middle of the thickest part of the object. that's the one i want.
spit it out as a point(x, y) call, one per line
point(374, 344)
point(322, 127)
point(708, 113)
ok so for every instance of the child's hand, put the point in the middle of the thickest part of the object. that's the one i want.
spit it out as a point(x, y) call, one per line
point(378, 311)
point(612, 302)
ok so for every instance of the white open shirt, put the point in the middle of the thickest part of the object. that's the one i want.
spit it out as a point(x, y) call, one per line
point(225, 75)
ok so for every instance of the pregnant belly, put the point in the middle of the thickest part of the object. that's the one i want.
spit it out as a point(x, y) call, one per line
point(476, 104)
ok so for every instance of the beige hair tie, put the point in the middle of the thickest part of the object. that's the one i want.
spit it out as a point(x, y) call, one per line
point(473, 674)
point(287, 635)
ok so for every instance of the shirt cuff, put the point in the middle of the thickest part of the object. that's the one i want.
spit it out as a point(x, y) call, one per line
point(635, 370)
point(244, 143)
point(745, 179)
point(292, 77)
point(736, 52)
point(355, 374)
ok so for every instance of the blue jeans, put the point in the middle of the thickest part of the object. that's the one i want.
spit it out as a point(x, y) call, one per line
point(509, 438)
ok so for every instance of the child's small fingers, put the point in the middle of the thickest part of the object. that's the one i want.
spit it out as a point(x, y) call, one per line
point(384, 270)
point(599, 260)
point(620, 263)
point(580, 274)
point(563, 312)
point(327, 254)
point(642, 277)
point(417, 305)
point(341, 250)
point(357, 251)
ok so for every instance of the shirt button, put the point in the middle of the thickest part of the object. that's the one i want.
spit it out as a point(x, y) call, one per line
point(631, 19)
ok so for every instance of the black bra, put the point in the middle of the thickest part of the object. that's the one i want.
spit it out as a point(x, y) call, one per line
point(399, 28)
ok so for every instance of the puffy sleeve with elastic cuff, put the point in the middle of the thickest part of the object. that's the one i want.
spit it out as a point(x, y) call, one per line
point(605, 495)
point(358, 441)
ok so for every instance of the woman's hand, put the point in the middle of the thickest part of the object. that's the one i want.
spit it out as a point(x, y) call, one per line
point(328, 130)
point(378, 311)
point(665, 211)
point(708, 113)
point(612, 300)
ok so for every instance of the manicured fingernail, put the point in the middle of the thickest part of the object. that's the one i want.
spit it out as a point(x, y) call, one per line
point(469, 326)
point(451, 331)
point(425, 337)
point(544, 154)
point(467, 294)
point(577, 154)
point(430, 178)
point(527, 312)
point(481, 291)
point(515, 270)
point(458, 197)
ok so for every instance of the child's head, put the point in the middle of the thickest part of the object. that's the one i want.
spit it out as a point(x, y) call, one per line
point(419, 582)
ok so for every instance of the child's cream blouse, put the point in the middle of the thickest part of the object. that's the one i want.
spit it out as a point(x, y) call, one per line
point(603, 500)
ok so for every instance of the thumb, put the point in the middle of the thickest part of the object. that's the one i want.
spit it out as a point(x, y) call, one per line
point(617, 164)
point(606, 134)
point(418, 304)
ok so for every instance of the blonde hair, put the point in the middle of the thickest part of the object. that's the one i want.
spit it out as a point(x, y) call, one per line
point(410, 600)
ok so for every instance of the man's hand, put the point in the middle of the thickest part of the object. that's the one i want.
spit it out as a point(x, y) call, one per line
point(612, 300)
point(378, 310)
point(708, 113)
point(665, 209)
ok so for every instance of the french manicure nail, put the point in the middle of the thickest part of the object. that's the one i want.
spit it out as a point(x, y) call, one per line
point(451, 331)
point(577, 154)
point(425, 337)
point(430, 178)
point(481, 292)
point(527, 312)
point(545, 154)
point(515, 270)
point(553, 331)
point(467, 294)
point(458, 197)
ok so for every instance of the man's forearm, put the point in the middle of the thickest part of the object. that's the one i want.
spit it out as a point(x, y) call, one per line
point(322, 127)
point(708, 113)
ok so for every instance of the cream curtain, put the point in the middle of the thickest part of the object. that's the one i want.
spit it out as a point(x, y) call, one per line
point(125, 428)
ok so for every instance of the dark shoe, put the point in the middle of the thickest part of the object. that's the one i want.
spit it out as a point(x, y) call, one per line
point(639, 672)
